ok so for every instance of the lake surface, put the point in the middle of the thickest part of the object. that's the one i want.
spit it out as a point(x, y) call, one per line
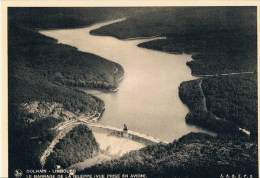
point(147, 99)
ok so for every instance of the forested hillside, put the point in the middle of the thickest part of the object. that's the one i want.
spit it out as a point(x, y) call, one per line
point(221, 39)
point(60, 63)
point(222, 104)
point(193, 155)
point(212, 53)
point(42, 71)
point(70, 17)
point(31, 139)
point(233, 98)
point(183, 20)
point(78, 145)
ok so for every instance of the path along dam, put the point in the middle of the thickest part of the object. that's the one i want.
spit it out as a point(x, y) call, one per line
point(113, 142)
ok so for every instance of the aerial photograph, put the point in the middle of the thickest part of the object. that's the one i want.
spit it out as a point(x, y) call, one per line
point(132, 92)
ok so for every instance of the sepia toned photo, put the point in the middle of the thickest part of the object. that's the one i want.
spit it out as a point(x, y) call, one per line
point(132, 92)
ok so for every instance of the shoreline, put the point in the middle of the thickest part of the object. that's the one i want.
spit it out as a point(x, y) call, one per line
point(85, 89)
point(199, 114)
point(216, 75)
point(198, 153)
point(92, 32)
point(80, 26)
point(239, 129)
point(116, 89)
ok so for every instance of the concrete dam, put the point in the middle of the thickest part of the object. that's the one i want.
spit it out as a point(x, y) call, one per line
point(115, 142)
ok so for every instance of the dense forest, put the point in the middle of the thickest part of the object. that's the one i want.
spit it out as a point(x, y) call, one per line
point(31, 140)
point(233, 98)
point(222, 103)
point(60, 63)
point(31, 87)
point(221, 39)
point(183, 20)
point(78, 145)
point(193, 155)
point(212, 53)
point(71, 17)
point(39, 69)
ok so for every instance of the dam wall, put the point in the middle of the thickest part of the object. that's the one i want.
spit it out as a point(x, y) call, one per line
point(130, 135)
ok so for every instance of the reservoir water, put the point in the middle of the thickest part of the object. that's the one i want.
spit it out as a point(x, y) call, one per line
point(147, 99)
